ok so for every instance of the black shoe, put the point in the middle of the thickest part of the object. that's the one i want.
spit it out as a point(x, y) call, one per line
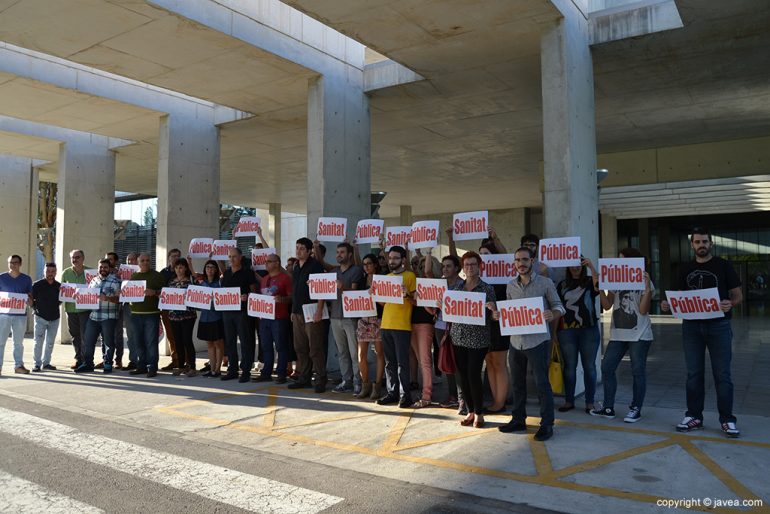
point(229, 376)
point(107, 369)
point(137, 371)
point(49, 367)
point(320, 387)
point(245, 377)
point(405, 403)
point(261, 378)
point(280, 380)
point(513, 426)
point(36, 369)
point(566, 408)
point(84, 368)
point(298, 385)
point(216, 375)
point(99, 366)
point(131, 366)
point(544, 433)
point(169, 367)
point(152, 374)
point(206, 367)
point(388, 399)
point(603, 413)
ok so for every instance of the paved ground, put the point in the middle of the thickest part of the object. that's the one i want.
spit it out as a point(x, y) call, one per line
point(117, 443)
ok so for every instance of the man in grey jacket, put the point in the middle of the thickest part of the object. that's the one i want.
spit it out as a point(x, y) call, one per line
point(532, 348)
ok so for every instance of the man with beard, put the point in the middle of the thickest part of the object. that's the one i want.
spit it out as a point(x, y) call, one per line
point(708, 271)
point(102, 320)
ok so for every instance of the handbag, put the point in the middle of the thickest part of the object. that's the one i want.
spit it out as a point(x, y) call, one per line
point(446, 353)
point(555, 372)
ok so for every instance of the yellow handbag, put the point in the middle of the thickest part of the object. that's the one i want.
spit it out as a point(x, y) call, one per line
point(555, 372)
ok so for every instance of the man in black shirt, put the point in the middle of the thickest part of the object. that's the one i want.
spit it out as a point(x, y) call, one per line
point(168, 273)
point(238, 324)
point(705, 272)
point(45, 302)
point(308, 337)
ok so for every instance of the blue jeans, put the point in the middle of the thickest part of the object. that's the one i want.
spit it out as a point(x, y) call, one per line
point(239, 326)
point(107, 330)
point(583, 341)
point(717, 336)
point(146, 328)
point(539, 358)
point(44, 330)
point(612, 357)
point(11, 323)
point(133, 349)
point(274, 331)
point(396, 345)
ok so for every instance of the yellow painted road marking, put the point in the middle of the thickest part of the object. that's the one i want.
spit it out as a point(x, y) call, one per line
point(719, 472)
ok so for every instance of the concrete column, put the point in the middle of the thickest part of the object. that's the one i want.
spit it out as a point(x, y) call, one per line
point(188, 183)
point(569, 138)
point(274, 225)
point(85, 206)
point(664, 236)
point(405, 215)
point(609, 236)
point(18, 211)
point(339, 179)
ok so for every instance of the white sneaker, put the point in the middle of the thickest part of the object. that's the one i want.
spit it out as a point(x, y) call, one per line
point(634, 415)
point(689, 423)
point(730, 429)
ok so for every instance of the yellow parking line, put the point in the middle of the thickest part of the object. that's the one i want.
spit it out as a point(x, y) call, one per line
point(325, 420)
point(607, 459)
point(442, 439)
point(718, 471)
point(394, 436)
point(540, 457)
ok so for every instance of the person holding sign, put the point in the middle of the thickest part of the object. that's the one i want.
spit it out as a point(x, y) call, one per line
point(102, 321)
point(168, 273)
point(14, 281)
point(534, 349)
point(578, 332)
point(308, 337)
point(276, 283)
point(119, 346)
point(131, 260)
point(45, 302)
point(422, 329)
point(630, 331)
point(183, 323)
point(396, 331)
point(145, 317)
point(532, 242)
point(238, 324)
point(471, 342)
point(210, 326)
point(715, 334)
point(76, 318)
point(368, 332)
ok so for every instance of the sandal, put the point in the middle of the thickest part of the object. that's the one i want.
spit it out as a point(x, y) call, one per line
point(467, 422)
point(419, 404)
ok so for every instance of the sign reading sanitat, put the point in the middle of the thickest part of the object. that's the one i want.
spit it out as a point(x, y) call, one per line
point(200, 247)
point(221, 248)
point(261, 306)
point(387, 288)
point(358, 304)
point(247, 226)
point(498, 268)
point(695, 304)
point(87, 298)
point(13, 303)
point(91, 274)
point(172, 299)
point(470, 225)
point(259, 257)
point(464, 307)
point(332, 229)
point(397, 236)
point(132, 291)
point(560, 252)
point(430, 291)
point(524, 316)
point(322, 286)
point(369, 231)
point(227, 299)
point(625, 274)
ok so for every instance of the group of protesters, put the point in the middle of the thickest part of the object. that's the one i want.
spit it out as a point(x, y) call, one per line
point(291, 346)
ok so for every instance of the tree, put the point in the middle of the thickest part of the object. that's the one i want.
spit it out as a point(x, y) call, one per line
point(149, 217)
point(46, 219)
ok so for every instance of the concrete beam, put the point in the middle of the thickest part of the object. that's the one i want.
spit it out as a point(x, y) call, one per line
point(60, 134)
point(632, 20)
point(388, 73)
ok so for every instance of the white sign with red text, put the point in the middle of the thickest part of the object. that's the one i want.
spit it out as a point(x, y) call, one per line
point(261, 306)
point(67, 292)
point(332, 229)
point(358, 304)
point(126, 270)
point(424, 234)
point(259, 257)
point(87, 298)
point(524, 316)
point(132, 291)
point(560, 252)
point(309, 310)
point(369, 231)
point(221, 247)
point(497, 268)
point(13, 303)
point(430, 291)
point(387, 288)
point(464, 307)
point(247, 226)
point(695, 304)
point(470, 225)
point(199, 297)
point(227, 299)
point(621, 274)
point(200, 247)
point(91, 274)
point(397, 236)
point(172, 299)
point(322, 286)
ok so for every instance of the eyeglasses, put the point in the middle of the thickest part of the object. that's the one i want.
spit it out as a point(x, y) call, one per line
point(17, 263)
point(530, 245)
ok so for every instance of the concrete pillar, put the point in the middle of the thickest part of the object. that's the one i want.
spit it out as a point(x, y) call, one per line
point(274, 226)
point(609, 236)
point(18, 212)
point(569, 137)
point(405, 215)
point(339, 175)
point(85, 206)
point(664, 236)
point(188, 183)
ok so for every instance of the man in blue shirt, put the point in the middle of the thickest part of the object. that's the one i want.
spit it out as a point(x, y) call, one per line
point(14, 281)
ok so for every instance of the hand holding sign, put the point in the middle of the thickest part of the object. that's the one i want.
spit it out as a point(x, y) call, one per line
point(464, 307)
point(397, 236)
point(696, 304)
point(626, 274)
point(172, 299)
point(524, 316)
point(424, 234)
point(322, 286)
point(430, 291)
point(369, 231)
point(261, 306)
point(470, 225)
point(133, 291)
point(388, 288)
point(200, 247)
